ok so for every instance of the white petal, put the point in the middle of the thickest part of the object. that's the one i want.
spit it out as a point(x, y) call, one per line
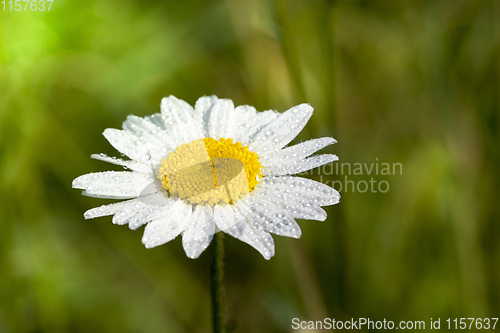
point(165, 229)
point(175, 109)
point(132, 165)
point(281, 131)
point(178, 119)
point(157, 120)
point(202, 110)
point(127, 143)
point(149, 207)
point(200, 232)
point(123, 215)
point(293, 204)
point(139, 126)
point(147, 131)
point(246, 230)
point(294, 168)
point(224, 218)
point(149, 213)
point(110, 209)
point(245, 117)
point(244, 226)
point(254, 125)
point(307, 213)
point(222, 119)
point(158, 142)
point(274, 219)
point(154, 195)
point(319, 193)
point(297, 152)
point(118, 184)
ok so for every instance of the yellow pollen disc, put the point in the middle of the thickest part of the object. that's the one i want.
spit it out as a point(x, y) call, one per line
point(210, 172)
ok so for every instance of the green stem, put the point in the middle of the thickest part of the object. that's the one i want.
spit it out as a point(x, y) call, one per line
point(218, 309)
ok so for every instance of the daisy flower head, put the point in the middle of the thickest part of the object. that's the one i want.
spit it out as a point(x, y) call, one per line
point(214, 167)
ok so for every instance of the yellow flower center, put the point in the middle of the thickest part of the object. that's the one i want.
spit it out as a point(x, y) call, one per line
point(210, 172)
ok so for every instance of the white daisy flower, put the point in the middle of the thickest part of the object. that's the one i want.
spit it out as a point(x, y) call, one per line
point(214, 167)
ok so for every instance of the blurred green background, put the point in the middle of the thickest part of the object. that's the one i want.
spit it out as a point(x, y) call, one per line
point(410, 82)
